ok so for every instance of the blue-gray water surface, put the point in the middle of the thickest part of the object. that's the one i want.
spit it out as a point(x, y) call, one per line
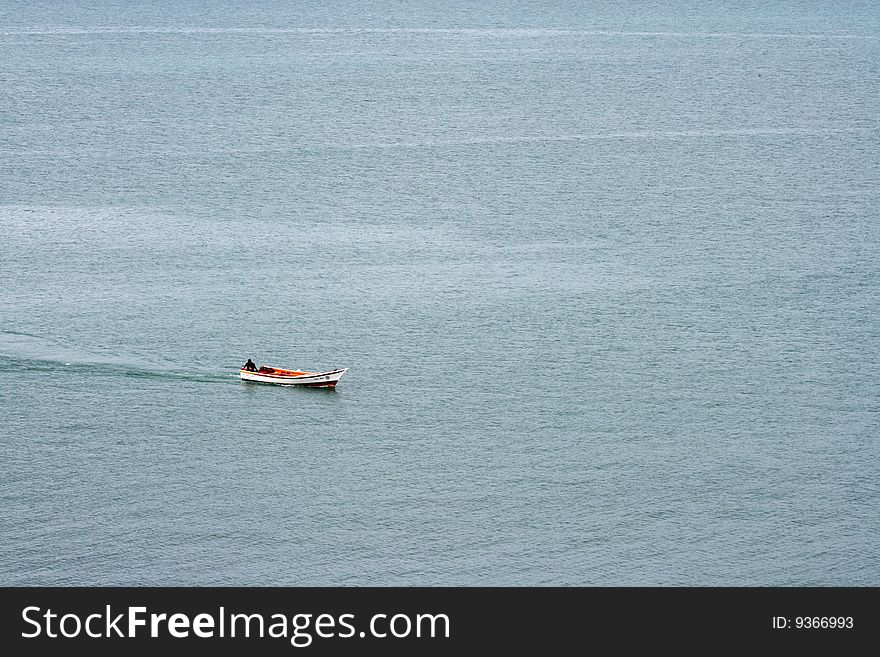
point(605, 276)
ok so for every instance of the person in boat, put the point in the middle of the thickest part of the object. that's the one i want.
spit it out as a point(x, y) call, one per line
point(249, 366)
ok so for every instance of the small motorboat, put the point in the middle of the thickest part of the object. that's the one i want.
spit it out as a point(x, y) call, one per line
point(279, 376)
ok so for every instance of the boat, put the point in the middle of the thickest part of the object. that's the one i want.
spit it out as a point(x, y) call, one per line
point(283, 377)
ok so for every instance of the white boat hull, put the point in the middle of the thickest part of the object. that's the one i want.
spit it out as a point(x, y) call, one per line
point(327, 379)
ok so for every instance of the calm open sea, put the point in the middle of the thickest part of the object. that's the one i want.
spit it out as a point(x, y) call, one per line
point(605, 277)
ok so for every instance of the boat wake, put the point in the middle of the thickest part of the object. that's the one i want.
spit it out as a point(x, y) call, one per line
point(24, 352)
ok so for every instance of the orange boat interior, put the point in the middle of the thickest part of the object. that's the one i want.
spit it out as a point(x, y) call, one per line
point(277, 370)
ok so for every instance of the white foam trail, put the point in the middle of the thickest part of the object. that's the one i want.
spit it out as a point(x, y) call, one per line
point(45, 354)
point(30, 347)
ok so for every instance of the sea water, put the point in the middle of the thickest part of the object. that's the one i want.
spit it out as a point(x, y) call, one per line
point(605, 277)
